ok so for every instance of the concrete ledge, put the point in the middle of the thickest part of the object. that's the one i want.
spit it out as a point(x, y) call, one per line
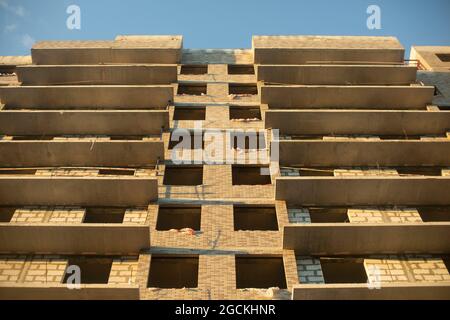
point(383, 122)
point(80, 153)
point(74, 238)
point(121, 97)
point(125, 49)
point(83, 122)
point(364, 153)
point(97, 74)
point(336, 74)
point(363, 190)
point(79, 191)
point(347, 97)
point(360, 291)
point(43, 291)
point(326, 49)
point(361, 239)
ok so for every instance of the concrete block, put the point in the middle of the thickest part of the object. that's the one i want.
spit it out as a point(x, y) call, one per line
point(336, 74)
point(372, 122)
point(94, 96)
point(97, 74)
point(363, 190)
point(346, 97)
point(83, 122)
point(80, 153)
point(79, 191)
point(326, 49)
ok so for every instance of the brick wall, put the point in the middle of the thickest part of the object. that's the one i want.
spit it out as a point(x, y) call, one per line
point(406, 269)
point(299, 215)
point(48, 215)
point(309, 270)
point(50, 269)
point(11, 268)
point(356, 172)
point(376, 215)
point(45, 269)
point(123, 271)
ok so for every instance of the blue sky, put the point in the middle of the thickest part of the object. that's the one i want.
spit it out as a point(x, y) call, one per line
point(219, 24)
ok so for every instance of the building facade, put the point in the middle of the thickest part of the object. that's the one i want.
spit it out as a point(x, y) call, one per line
point(306, 167)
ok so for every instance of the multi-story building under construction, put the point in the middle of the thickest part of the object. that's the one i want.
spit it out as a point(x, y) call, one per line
point(306, 167)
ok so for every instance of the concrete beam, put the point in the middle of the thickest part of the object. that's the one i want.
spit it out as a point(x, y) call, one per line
point(80, 153)
point(364, 153)
point(347, 97)
point(363, 190)
point(97, 74)
point(372, 122)
point(43, 291)
point(361, 291)
point(362, 239)
point(326, 49)
point(337, 74)
point(77, 191)
point(152, 49)
point(73, 238)
point(83, 122)
point(95, 96)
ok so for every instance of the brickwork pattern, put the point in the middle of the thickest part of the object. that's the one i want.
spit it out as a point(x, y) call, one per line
point(356, 172)
point(299, 215)
point(309, 270)
point(411, 268)
point(11, 268)
point(50, 269)
point(382, 215)
point(217, 280)
point(44, 269)
point(123, 270)
point(70, 215)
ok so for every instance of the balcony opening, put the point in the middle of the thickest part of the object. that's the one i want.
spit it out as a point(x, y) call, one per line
point(444, 57)
point(419, 171)
point(6, 214)
point(316, 172)
point(115, 172)
point(254, 271)
point(194, 69)
point(255, 218)
point(242, 88)
point(192, 89)
point(31, 138)
point(245, 113)
point(447, 262)
point(248, 140)
point(173, 272)
point(178, 218)
point(337, 270)
point(120, 138)
point(7, 69)
point(18, 171)
point(104, 215)
point(189, 113)
point(304, 137)
point(399, 137)
point(195, 141)
point(434, 214)
point(328, 215)
point(94, 270)
point(241, 69)
point(183, 176)
point(250, 175)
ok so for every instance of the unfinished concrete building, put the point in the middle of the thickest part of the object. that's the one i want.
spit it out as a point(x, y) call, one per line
point(350, 200)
